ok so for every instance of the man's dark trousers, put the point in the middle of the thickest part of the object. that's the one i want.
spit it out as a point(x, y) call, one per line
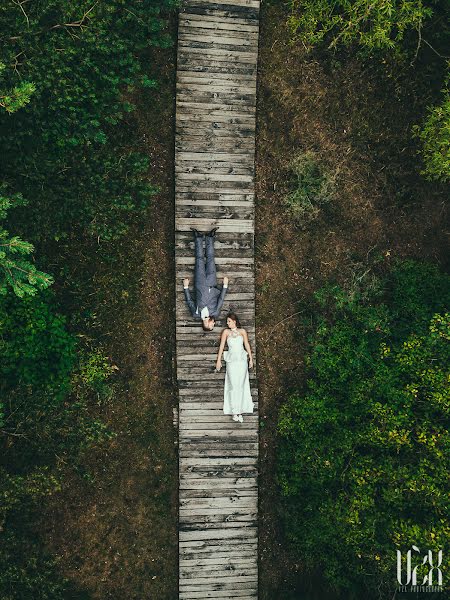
point(205, 276)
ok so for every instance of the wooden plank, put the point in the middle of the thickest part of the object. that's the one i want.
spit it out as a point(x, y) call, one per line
point(217, 54)
point(236, 581)
point(217, 29)
point(218, 156)
point(247, 14)
point(234, 3)
point(209, 548)
point(224, 79)
point(208, 22)
point(233, 561)
point(218, 493)
point(216, 169)
point(236, 590)
point(246, 533)
point(217, 483)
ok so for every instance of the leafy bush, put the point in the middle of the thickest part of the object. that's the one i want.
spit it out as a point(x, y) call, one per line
point(435, 137)
point(37, 351)
point(364, 452)
point(313, 188)
point(93, 374)
point(372, 25)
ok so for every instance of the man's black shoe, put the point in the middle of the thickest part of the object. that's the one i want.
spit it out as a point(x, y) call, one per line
point(212, 233)
point(197, 232)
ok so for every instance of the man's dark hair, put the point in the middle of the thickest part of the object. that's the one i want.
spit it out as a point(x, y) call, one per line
point(205, 328)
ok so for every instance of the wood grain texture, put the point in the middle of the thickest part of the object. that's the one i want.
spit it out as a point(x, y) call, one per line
point(214, 187)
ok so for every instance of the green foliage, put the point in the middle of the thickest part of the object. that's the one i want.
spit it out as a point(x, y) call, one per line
point(372, 25)
point(16, 490)
point(364, 452)
point(313, 188)
point(37, 351)
point(17, 97)
point(16, 271)
point(65, 149)
point(93, 374)
point(46, 386)
point(435, 138)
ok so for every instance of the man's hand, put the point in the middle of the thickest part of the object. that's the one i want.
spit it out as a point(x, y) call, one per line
point(225, 281)
point(186, 282)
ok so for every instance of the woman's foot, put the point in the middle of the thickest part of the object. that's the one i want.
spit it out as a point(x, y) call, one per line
point(240, 418)
point(235, 418)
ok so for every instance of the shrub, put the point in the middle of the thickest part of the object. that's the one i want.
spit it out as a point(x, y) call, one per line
point(93, 374)
point(435, 138)
point(372, 25)
point(313, 187)
point(364, 452)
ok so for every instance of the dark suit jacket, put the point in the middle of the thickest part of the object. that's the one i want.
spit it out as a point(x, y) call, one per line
point(210, 296)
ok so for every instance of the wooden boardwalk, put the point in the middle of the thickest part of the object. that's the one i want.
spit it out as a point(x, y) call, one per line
point(214, 186)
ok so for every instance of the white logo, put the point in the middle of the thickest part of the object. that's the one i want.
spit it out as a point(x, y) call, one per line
point(431, 580)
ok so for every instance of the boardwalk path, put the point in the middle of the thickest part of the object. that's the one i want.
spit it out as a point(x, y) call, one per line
point(214, 161)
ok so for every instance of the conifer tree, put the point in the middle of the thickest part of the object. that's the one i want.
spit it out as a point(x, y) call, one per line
point(17, 272)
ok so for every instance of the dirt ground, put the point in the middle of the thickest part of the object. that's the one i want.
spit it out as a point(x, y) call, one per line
point(357, 118)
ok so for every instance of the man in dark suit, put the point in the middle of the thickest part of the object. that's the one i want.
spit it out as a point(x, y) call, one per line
point(208, 297)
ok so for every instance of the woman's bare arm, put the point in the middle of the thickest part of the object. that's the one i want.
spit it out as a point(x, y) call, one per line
point(223, 338)
point(247, 347)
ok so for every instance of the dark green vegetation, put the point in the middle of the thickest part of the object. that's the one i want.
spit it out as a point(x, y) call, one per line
point(324, 278)
point(365, 450)
point(86, 477)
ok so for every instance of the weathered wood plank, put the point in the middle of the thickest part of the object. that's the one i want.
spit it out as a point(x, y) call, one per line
point(207, 22)
point(234, 3)
point(223, 592)
point(216, 54)
point(231, 79)
point(245, 13)
point(232, 561)
point(208, 548)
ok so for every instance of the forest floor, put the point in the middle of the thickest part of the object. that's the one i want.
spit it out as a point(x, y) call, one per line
point(114, 525)
point(357, 118)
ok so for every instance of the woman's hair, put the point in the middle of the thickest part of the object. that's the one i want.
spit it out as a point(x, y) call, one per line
point(233, 316)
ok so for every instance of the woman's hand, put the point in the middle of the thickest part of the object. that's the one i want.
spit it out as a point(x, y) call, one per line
point(250, 363)
point(219, 365)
